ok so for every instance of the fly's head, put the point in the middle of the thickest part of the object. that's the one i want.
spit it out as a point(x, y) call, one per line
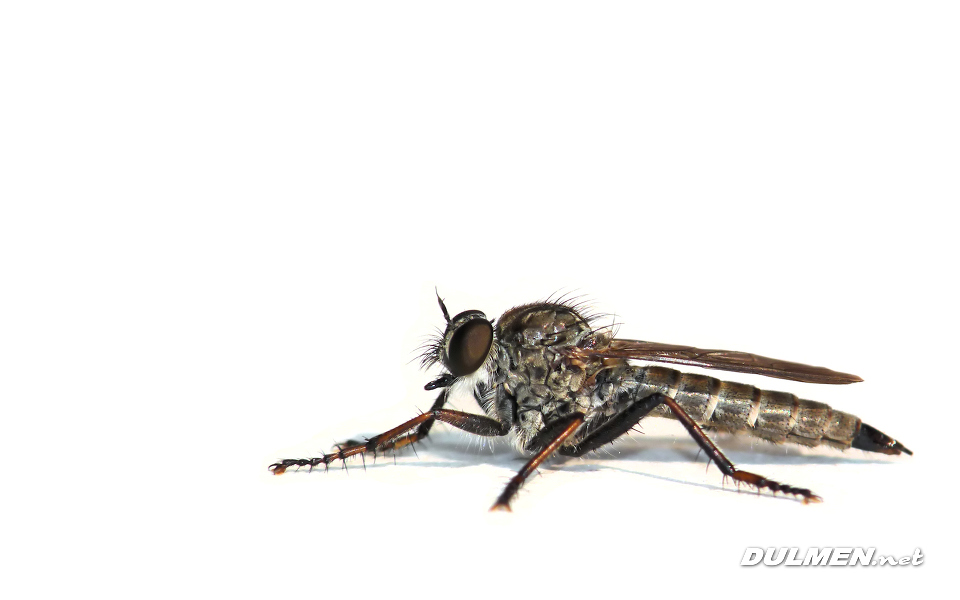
point(465, 348)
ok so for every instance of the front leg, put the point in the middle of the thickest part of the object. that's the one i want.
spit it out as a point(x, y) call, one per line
point(423, 429)
point(476, 424)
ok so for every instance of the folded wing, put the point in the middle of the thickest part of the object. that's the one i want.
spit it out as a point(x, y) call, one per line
point(726, 360)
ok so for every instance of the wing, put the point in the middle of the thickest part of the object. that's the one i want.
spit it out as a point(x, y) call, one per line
point(726, 360)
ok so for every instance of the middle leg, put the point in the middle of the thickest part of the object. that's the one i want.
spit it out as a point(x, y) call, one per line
point(615, 427)
point(557, 434)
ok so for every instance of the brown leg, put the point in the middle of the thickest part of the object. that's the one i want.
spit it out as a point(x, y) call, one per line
point(726, 467)
point(401, 436)
point(423, 429)
point(569, 426)
point(614, 428)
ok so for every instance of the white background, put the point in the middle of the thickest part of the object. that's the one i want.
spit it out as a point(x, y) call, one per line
point(222, 225)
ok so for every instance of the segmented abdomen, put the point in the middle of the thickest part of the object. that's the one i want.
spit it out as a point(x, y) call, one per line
point(740, 408)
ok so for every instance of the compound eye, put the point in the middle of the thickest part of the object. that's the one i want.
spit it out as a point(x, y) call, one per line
point(469, 346)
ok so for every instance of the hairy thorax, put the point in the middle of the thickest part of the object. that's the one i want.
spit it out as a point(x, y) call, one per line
point(535, 372)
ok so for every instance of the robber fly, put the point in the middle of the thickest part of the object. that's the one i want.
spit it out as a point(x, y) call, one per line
point(560, 385)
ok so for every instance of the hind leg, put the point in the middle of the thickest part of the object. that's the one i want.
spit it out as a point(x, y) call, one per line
point(727, 467)
point(614, 428)
point(623, 422)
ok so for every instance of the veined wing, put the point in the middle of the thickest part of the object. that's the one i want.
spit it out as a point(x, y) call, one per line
point(726, 360)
